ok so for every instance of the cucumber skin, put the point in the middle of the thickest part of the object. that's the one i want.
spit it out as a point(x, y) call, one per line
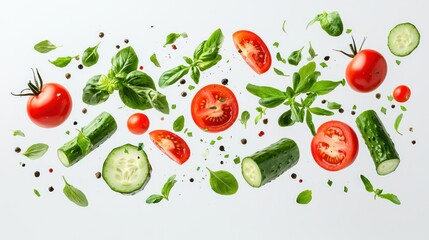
point(98, 131)
point(377, 139)
point(275, 159)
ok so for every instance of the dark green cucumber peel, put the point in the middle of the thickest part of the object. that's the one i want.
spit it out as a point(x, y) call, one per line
point(378, 141)
point(270, 163)
point(97, 131)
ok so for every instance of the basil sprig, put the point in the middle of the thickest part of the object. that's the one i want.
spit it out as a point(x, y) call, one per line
point(205, 56)
point(165, 192)
point(75, 195)
point(331, 23)
point(136, 89)
point(304, 82)
point(379, 192)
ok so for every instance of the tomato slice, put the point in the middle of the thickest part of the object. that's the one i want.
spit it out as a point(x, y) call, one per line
point(253, 50)
point(335, 146)
point(214, 108)
point(172, 145)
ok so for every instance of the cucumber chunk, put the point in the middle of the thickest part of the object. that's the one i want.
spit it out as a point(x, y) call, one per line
point(403, 39)
point(266, 165)
point(126, 169)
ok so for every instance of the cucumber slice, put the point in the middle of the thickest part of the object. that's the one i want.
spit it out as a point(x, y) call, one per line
point(378, 141)
point(403, 39)
point(266, 165)
point(126, 169)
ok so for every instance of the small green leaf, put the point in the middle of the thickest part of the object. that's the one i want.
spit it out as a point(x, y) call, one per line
point(18, 133)
point(354, 107)
point(36, 151)
point(212, 142)
point(403, 108)
point(367, 183)
point(309, 121)
point(323, 87)
point(323, 64)
point(140, 146)
point(279, 72)
point(383, 110)
point(173, 106)
point(398, 62)
point(295, 57)
point(391, 197)
point(90, 56)
point(280, 58)
point(75, 195)
point(320, 111)
point(245, 116)
point(237, 160)
point(311, 52)
point(189, 134)
point(346, 189)
point(195, 74)
point(84, 143)
point(154, 198)
point(179, 124)
point(329, 182)
point(333, 105)
point(348, 30)
point(191, 87)
point(223, 182)
point(36, 192)
point(304, 197)
point(154, 60)
point(172, 37)
point(276, 44)
point(283, 26)
point(398, 122)
point(390, 98)
point(45, 46)
point(219, 138)
point(168, 186)
point(62, 61)
point(226, 156)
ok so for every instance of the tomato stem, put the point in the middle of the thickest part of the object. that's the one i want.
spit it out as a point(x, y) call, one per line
point(33, 89)
point(353, 48)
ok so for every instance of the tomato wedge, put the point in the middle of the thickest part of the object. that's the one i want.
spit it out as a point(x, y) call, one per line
point(253, 50)
point(214, 108)
point(171, 145)
point(335, 146)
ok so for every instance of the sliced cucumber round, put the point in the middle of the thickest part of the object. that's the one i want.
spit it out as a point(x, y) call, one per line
point(126, 169)
point(403, 39)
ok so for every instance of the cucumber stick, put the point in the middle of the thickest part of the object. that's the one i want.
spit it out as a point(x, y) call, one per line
point(97, 132)
point(378, 141)
point(269, 163)
point(403, 39)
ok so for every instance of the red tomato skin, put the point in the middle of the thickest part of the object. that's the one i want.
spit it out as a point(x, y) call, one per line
point(351, 145)
point(51, 107)
point(366, 71)
point(138, 123)
point(185, 152)
point(402, 93)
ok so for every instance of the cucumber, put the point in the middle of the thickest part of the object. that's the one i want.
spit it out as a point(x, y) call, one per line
point(126, 169)
point(378, 141)
point(266, 165)
point(97, 132)
point(403, 39)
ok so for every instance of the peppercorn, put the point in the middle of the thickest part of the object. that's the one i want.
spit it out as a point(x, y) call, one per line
point(101, 35)
point(243, 141)
point(37, 174)
point(51, 189)
point(17, 149)
point(98, 175)
point(80, 66)
point(224, 81)
point(68, 75)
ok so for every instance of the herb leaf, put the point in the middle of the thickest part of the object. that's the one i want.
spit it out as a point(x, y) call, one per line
point(154, 198)
point(179, 124)
point(391, 197)
point(295, 57)
point(36, 151)
point(245, 116)
point(320, 111)
point(36, 192)
point(61, 61)
point(309, 121)
point(124, 62)
point(325, 86)
point(154, 60)
point(333, 105)
point(45, 46)
point(90, 56)
point(18, 133)
point(168, 186)
point(304, 197)
point(279, 72)
point(331, 23)
point(172, 76)
point(223, 182)
point(285, 119)
point(329, 182)
point(172, 37)
point(280, 58)
point(311, 52)
point(367, 184)
point(75, 195)
point(84, 143)
point(398, 122)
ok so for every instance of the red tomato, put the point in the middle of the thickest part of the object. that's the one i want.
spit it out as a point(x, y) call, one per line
point(335, 146)
point(401, 93)
point(214, 108)
point(138, 123)
point(366, 71)
point(171, 145)
point(253, 50)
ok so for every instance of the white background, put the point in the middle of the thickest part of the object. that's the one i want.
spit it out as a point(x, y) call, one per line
point(194, 210)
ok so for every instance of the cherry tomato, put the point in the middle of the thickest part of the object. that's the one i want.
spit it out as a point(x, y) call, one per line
point(138, 123)
point(366, 71)
point(253, 50)
point(171, 145)
point(335, 146)
point(214, 108)
point(401, 93)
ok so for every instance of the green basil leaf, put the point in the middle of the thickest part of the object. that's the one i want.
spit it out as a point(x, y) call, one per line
point(168, 186)
point(367, 183)
point(346, 189)
point(403, 108)
point(295, 113)
point(172, 76)
point(199, 50)
point(90, 56)
point(296, 78)
point(311, 52)
point(195, 74)
point(36, 151)
point(223, 182)
point(280, 73)
point(295, 57)
point(285, 119)
point(323, 65)
point(135, 97)
point(333, 105)
point(309, 121)
point(329, 182)
point(289, 92)
point(138, 78)
point(18, 133)
point(306, 83)
point(61, 61)
point(390, 98)
point(320, 111)
point(245, 116)
point(280, 58)
point(265, 91)
point(348, 30)
point(158, 101)
point(84, 143)
point(309, 99)
point(307, 70)
point(172, 37)
point(124, 62)
point(214, 41)
point(391, 197)
point(276, 44)
point(75, 195)
point(272, 102)
point(304, 197)
point(179, 124)
point(154, 60)
point(398, 122)
point(188, 60)
point(331, 23)
point(154, 198)
point(325, 86)
point(206, 64)
point(93, 93)
point(45, 46)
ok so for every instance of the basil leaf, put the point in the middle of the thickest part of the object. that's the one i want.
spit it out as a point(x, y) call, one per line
point(45, 46)
point(306, 83)
point(295, 112)
point(209, 63)
point(36, 151)
point(138, 78)
point(93, 93)
point(346, 189)
point(329, 182)
point(279, 72)
point(36, 192)
point(134, 91)
point(168, 186)
point(311, 52)
point(223, 182)
point(154, 198)
point(172, 76)
point(18, 133)
point(84, 143)
point(75, 195)
point(154, 60)
point(398, 122)
point(367, 184)
point(214, 41)
point(333, 105)
point(331, 23)
point(320, 111)
point(245, 116)
point(195, 74)
point(280, 58)
point(61, 61)
point(124, 62)
point(172, 37)
point(295, 57)
point(90, 56)
point(179, 124)
point(271, 102)
point(309, 99)
point(307, 70)
point(323, 65)
point(391, 197)
point(265, 91)
point(158, 101)
point(390, 98)
point(199, 50)
point(304, 197)
point(403, 108)
point(309, 121)
point(348, 30)
point(325, 86)
point(285, 119)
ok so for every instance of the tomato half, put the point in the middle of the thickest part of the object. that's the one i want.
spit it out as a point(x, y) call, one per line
point(253, 50)
point(402, 93)
point(138, 123)
point(335, 146)
point(214, 108)
point(171, 145)
point(366, 71)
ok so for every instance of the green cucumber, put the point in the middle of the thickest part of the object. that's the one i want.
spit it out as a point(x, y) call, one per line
point(266, 165)
point(378, 141)
point(97, 132)
point(126, 169)
point(403, 39)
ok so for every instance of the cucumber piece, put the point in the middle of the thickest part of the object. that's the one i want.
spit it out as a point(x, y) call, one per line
point(126, 169)
point(97, 132)
point(378, 141)
point(403, 39)
point(266, 165)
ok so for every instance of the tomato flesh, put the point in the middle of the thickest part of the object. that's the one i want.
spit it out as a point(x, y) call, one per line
point(335, 146)
point(138, 123)
point(214, 108)
point(171, 145)
point(402, 93)
point(253, 50)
